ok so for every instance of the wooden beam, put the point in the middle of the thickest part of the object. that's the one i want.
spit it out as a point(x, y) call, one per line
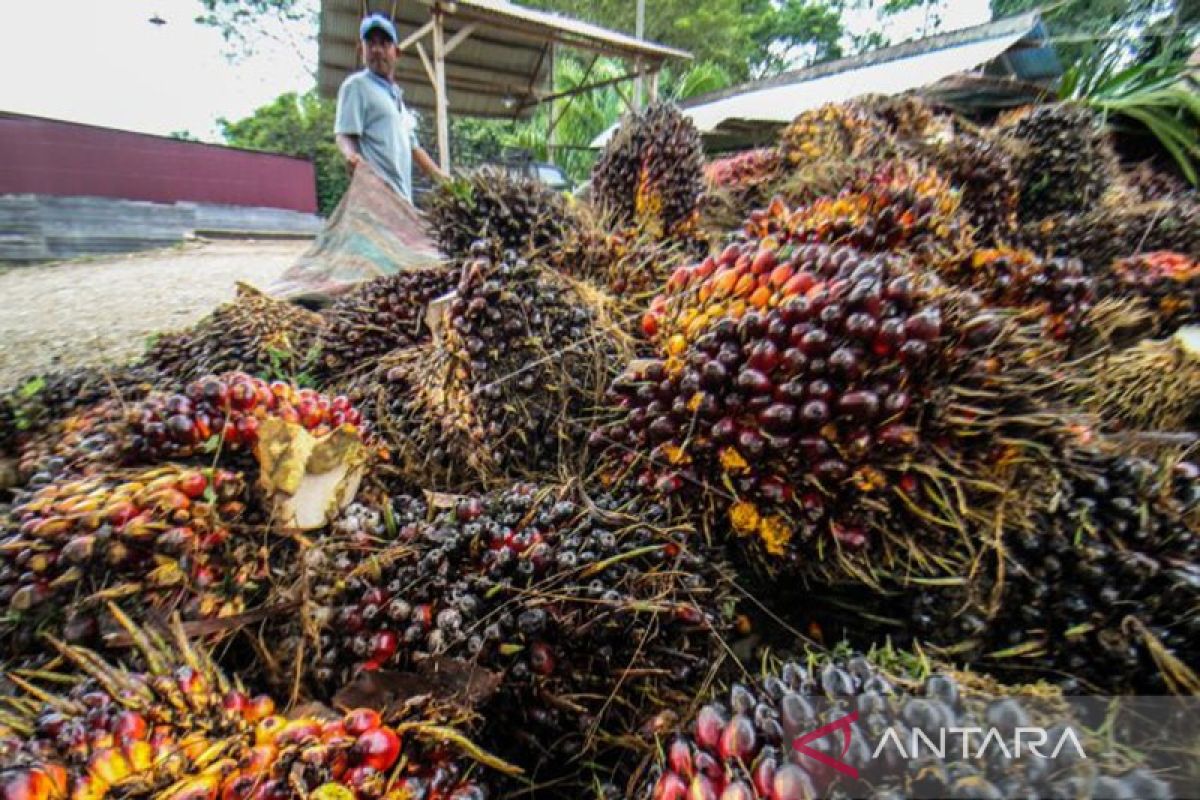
point(439, 88)
point(457, 39)
point(580, 90)
point(429, 70)
point(415, 36)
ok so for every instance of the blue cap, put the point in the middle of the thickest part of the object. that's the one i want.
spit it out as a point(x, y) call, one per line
point(377, 21)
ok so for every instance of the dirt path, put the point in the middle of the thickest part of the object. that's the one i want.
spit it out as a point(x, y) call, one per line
point(103, 309)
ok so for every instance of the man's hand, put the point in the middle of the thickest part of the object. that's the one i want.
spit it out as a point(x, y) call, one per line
point(352, 161)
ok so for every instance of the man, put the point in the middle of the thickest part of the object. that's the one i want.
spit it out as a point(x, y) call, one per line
point(373, 124)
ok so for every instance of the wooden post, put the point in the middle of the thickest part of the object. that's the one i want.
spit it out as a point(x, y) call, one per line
point(439, 89)
point(654, 86)
point(640, 33)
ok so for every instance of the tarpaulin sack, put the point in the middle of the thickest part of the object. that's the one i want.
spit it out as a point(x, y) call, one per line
point(373, 232)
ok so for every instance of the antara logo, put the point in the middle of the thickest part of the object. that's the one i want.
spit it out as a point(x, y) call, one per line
point(1024, 740)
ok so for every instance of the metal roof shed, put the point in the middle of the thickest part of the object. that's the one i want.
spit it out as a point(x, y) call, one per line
point(482, 58)
point(1009, 57)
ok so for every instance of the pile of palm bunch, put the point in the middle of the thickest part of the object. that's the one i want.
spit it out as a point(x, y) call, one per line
point(893, 419)
point(650, 174)
point(520, 214)
point(506, 387)
point(174, 725)
point(564, 600)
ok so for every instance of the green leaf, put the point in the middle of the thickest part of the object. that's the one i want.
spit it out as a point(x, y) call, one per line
point(32, 387)
point(211, 444)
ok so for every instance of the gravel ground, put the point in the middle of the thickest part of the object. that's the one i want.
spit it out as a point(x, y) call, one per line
point(103, 309)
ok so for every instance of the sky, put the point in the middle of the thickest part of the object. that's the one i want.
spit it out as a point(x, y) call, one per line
point(102, 62)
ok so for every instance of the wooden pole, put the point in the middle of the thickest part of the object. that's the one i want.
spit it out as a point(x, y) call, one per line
point(640, 33)
point(439, 89)
point(654, 86)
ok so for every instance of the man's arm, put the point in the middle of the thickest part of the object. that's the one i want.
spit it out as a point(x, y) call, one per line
point(427, 164)
point(348, 145)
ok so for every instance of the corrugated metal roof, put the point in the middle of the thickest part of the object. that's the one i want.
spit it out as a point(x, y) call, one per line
point(889, 70)
point(497, 69)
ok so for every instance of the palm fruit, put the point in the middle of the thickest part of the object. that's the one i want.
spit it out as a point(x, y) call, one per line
point(1059, 288)
point(182, 730)
point(379, 316)
point(834, 132)
point(1153, 385)
point(629, 264)
point(255, 334)
point(220, 412)
point(569, 600)
point(811, 389)
point(1168, 282)
point(984, 174)
point(908, 117)
point(520, 214)
point(165, 537)
point(1100, 587)
point(649, 175)
point(743, 746)
point(37, 402)
point(1064, 160)
point(743, 170)
point(1103, 236)
point(523, 353)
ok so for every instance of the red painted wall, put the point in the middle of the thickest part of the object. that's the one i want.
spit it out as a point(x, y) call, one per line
point(45, 156)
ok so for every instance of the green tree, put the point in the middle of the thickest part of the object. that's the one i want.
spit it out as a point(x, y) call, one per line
point(296, 125)
point(746, 38)
point(1088, 33)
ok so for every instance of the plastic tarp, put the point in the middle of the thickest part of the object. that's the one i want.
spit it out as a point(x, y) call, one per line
point(373, 232)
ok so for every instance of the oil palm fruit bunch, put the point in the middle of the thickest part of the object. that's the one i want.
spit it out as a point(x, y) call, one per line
point(1169, 282)
point(1102, 587)
point(570, 600)
point(629, 264)
point(255, 333)
point(835, 131)
point(167, 537)
point(520, 214)
point(650, 175)
point(985, 175)
point(1105, 235)
point(379, 316)
point(740, 745)
point(1151, 385)
point(225, 411)
point(743, 170)
point(909, 117)
point(522, 354)
point(808, 378)
point(1064, 160)
point(1059, 288)
point(41, 400)
point(181, 730)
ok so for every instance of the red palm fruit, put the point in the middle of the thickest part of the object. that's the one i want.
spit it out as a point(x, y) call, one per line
point(861, 405)
point(384, 645)
point(261, 707)
point(192, 484)
point(298, 731)
point(239, 787)
point(129, 726)
point(242, 395)
point(361, 720)
point(710, 724)
point(738, 741)
point(26, 784)
point(377, 748)
point(235, 702)
point(679, 758)
point(925, 325)
point(763, 775)
point(258, 759)
point(541, 658)
point(792, 783)
point(669, 787)
point(121, 512)
point(764, 356)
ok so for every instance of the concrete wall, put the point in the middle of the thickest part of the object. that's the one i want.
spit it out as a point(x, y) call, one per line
point(45, 228)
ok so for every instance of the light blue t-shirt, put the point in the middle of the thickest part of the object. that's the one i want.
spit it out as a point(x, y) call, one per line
point(373, 109)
